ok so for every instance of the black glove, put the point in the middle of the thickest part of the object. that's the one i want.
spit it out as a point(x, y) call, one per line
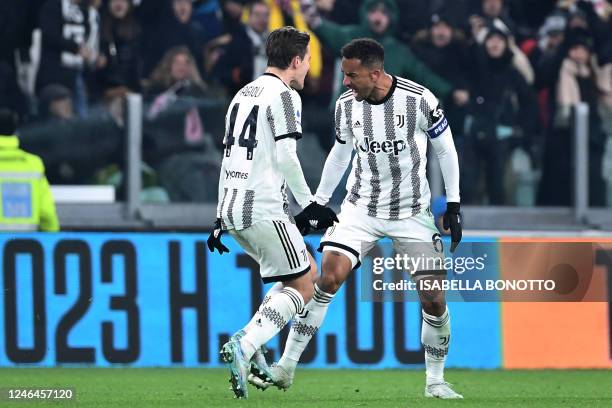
point(302, 224)
point(452, 221)
point(214, 239)
point(315, 216)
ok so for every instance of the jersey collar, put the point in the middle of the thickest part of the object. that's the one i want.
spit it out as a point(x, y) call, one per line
point(277, 77)
point(387, 96)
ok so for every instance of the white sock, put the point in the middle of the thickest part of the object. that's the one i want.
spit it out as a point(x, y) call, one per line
point(435, 336)
point(304, 326)
point(277, 287)
point(272, 317)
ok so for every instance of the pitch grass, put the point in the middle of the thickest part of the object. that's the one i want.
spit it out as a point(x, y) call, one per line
point(179, 387)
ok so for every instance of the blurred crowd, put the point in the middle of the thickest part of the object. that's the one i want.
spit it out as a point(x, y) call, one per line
point(508, 72)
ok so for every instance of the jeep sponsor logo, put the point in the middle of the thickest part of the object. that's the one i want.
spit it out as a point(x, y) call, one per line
point(236, 174)
point(388, 146)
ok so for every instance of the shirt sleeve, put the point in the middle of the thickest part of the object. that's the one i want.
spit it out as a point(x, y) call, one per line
point(335, 166)
point(284, 115)
point(341, 122)
point(290, 167)
point(434, 123)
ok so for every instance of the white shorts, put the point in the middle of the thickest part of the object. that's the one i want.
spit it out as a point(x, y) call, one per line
point(278, 248)
point(357, 233)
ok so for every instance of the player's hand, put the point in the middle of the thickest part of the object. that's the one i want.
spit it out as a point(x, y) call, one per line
point(214, 239)
point(315, 216)
point(452, 221)
point(301, 222)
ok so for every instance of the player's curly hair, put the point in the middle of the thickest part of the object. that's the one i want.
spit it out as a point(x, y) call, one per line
point(284, 44)
point(368, 51)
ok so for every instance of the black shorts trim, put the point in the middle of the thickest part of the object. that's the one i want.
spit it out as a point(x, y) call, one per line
point(341, 246)
point(293, 262)
point(294, 135)
point(285, 278)
point(430, 272)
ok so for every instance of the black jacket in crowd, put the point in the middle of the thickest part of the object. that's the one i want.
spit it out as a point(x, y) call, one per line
point(451, 63)
point(64, 29)
point(500, 95)
point(122, 47)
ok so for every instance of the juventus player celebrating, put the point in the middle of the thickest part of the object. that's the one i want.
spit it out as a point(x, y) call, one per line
point(260, 160)
point(387, 121)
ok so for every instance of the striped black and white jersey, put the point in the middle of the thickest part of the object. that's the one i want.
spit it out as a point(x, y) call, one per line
point(388, 178)
point(251, 185)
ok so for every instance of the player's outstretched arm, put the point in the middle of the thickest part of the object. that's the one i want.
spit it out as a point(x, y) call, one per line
point(316, 215)
point(291, 169)
point(441, 137)
point(289, 164)
point(449, 164)
point(335, 166)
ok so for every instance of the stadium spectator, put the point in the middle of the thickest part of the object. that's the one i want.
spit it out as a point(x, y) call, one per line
point(55, 103)
point(232, 12)
point(339, 11)
point(208, 15)
point(415, 15)
point(546, 57)
point(244, 57)
point(584, 15)
point(519, 59)
point(177, 76)
point(378, 21)
point(12, 20)
point(580, 79)
point(289, 13)
point(445, 50)
point(27, 203)
point(17, 21)
point(175, 28)
point(491, 11)
point(503, 113)
point(177, 73)
point(11, 95)
point(528, 16)
point(65, 26)
point(118, 66)
point(550, 37)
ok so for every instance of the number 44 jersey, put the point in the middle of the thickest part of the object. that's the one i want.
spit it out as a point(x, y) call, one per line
point(251, 186)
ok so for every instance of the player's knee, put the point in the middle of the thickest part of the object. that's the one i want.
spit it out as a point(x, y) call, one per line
point(307, 291)
point(331, 277)
point(328, 284)
point(434, 307)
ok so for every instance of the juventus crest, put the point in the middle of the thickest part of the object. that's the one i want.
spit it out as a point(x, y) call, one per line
point(401, 120)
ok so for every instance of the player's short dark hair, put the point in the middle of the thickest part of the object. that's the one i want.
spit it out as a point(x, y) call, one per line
point(8, 122)
point(368, 51)
point(284, 44)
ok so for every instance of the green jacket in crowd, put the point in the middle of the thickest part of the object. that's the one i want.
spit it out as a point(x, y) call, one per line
point(399, 60)
point(26, 203)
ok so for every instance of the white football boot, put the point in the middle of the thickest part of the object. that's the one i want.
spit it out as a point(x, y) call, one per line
point(279, 377)
point(441, 390)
